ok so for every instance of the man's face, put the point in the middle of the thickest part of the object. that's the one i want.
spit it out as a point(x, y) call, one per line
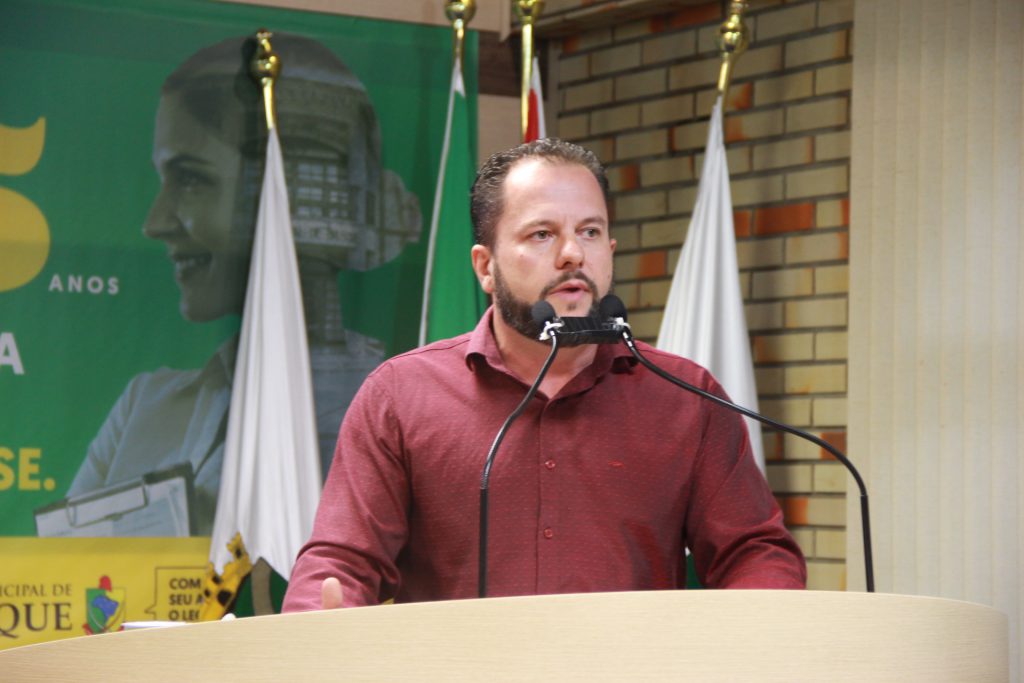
point(195, 212)
point(551, 242)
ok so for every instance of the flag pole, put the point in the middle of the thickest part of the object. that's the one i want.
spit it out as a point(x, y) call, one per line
point(459, 12)
point(220, 590)
point(733, 39)
point(444, 309)
point(527, 11)
point(265, 68)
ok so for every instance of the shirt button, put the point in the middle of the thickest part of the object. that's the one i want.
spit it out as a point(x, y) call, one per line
point(549, 533)
point(550, 464)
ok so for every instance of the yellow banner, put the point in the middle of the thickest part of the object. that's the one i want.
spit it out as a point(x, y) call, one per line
point(54, 588)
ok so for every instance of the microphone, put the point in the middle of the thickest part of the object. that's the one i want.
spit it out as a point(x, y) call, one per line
point(576, 331)
point(611, 308)
point(614, 312)
point(544, 316)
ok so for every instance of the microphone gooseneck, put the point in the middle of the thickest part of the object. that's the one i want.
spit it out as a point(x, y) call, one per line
point(627, 337)
point(544, 316)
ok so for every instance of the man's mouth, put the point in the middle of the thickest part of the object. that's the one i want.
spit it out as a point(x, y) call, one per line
point(571, 287)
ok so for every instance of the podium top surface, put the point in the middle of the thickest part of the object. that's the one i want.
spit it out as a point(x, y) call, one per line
point(664, 635)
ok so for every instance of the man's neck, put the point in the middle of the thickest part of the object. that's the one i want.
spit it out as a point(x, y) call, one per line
point(524, 357)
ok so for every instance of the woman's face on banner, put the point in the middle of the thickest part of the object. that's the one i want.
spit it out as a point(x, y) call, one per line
point(196, 210)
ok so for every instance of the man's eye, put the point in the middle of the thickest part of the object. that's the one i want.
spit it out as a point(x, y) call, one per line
point(541, 235)
point(592, 232)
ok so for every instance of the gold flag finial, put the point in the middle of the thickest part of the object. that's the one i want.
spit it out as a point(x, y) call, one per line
point(265, 68)
point(459, 12)
point(527, 11)
point(733, 39)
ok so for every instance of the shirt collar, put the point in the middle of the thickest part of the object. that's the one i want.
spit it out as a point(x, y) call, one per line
point(483, 347)
point(227, 356)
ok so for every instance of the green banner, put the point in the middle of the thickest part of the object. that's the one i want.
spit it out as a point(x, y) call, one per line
point(131, 150)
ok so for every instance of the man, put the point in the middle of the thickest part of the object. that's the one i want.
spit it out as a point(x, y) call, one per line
point(602, 482)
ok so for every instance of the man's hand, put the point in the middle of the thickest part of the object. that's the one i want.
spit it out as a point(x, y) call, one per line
point(330, 593)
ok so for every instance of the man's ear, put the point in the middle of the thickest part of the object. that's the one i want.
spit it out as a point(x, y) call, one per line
point(483, 266)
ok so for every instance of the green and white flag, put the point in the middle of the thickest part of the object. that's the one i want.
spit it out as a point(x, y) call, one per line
point(452, 300)
point(704, 314)
point(270, 481)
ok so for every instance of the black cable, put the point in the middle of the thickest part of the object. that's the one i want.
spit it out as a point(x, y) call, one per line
point(486, 476)
point(869, 573)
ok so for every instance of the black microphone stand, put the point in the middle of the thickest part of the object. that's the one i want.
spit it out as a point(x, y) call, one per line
point(627, 336)
point(485, 478)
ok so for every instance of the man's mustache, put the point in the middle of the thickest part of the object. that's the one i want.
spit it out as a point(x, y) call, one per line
point(565, 277)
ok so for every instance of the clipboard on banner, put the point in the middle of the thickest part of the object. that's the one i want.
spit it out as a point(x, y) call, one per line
point(156, 504)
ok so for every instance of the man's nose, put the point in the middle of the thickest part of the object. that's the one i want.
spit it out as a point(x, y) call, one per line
point(570, 253)
point(161, 221)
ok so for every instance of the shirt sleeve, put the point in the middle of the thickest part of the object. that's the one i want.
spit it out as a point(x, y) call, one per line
point(362, 522)
point(734, 526)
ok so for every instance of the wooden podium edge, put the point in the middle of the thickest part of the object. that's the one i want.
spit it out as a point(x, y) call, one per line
point(700, 635)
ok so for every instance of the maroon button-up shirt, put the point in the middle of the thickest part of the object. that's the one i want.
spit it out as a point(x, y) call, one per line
point(598, 488)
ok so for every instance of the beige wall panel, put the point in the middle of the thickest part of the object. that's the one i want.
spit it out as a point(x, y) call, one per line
point(936, 411)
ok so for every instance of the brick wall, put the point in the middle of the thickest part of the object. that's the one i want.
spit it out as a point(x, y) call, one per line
point(639, 94)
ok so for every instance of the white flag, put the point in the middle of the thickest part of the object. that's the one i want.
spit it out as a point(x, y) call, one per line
point(270, 482)
point(704, 314)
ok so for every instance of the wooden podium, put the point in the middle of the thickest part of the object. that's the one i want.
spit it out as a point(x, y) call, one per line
point(651, 636)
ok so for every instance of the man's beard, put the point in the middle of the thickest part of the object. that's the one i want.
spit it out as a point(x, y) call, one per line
point(518, 313)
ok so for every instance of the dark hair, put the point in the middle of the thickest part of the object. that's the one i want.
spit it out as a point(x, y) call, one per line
point(485, 199)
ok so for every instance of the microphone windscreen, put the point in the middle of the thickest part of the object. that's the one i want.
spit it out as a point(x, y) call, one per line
point(542, 313)
point(611, 306)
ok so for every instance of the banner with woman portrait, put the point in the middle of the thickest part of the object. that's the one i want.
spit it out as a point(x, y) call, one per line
point(131, 154)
